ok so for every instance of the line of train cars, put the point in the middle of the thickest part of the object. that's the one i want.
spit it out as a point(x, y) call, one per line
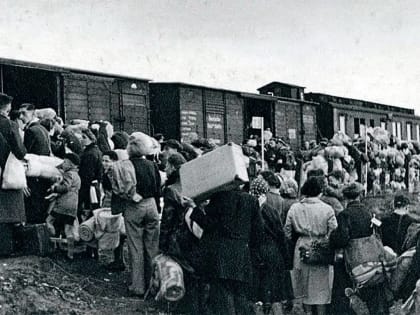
point(182, 110)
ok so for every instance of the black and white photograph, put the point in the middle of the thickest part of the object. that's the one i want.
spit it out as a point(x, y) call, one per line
point(209, 157)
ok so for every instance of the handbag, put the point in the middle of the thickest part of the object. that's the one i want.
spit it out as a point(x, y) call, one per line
point(13, 174)
point(318, 252)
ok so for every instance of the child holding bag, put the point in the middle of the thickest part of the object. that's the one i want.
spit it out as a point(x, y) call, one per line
point(64, 199)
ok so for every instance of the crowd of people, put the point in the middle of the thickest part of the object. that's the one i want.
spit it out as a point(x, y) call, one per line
point(244, 250)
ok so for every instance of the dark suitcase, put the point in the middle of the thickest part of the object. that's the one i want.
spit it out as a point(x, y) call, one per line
point(34, 239)
point(6, 239)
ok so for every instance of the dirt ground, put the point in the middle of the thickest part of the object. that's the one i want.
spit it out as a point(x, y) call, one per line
point(53, 285)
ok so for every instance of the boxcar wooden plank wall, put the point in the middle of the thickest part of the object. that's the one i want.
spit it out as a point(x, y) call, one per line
point(191, 112)
point(309, 122)
point(102, 98)
point(134, 105)
point(86, 97)
point(214, 109)
point(234, 118)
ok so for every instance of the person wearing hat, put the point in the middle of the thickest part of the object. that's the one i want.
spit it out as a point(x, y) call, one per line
point(90, 172)
point(141, 215)
point(12, 207)
point(273, 285)
point(64, 199)
point(354, 222)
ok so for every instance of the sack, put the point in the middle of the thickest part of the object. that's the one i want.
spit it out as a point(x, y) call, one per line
point(13, 174)
point(168, 279)
point(42, 166)
point(412, 235)
point(401, 271)
point(318, 252)
point(364, 260)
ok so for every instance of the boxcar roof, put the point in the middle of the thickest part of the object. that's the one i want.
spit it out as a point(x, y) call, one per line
point(46, 67)
point(184, 84)
point(344, 101)
point(279, 83)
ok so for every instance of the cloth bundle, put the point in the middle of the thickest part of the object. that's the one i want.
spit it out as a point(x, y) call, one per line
point(45, 113)
point(104, 227)
point(168, 279)
point(380, 135)
point(123, 179)
point(42, 166)
point(87, 230)
point(340, 138)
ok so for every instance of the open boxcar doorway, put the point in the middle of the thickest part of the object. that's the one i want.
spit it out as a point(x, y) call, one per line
point(30, 85)
point(258, 108)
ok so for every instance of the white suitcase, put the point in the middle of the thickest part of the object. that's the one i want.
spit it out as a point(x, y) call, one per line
point(221, 169)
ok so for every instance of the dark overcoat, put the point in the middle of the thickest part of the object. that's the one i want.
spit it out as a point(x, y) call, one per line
point(12, 208)
point(232, 227)
point(37, 139)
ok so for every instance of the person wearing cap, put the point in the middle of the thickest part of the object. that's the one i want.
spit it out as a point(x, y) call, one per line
point(308, 220)
point(12, 207)
point(37, 141)
point(394, 228)
point(90, 172)
point(64, 201)
point(273, 284)
point(354, 222)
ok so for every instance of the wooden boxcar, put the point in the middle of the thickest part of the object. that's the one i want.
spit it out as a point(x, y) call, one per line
point(295, 118)
point(79, 94)
point(185, 111)
point(182, 111)
point(351, 116)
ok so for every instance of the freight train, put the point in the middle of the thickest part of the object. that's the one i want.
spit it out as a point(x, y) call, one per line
point(183, 111)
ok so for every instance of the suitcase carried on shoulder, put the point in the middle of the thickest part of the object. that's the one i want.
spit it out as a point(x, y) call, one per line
point(219, 170)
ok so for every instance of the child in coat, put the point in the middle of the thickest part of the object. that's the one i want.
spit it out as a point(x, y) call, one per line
point(64, 199)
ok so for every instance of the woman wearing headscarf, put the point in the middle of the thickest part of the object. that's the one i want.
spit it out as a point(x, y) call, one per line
point(289, 191)
point(141, 215)
point(273, 259)
point(308, 220)
point(90, 172)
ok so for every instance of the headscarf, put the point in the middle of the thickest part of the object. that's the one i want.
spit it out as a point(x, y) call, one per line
point(258, 187)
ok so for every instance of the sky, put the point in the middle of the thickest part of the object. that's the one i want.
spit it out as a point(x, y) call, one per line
point(366, 50)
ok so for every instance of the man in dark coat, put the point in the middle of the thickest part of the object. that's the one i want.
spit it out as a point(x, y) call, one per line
point(12, 208)
point(354, 222)
point(232, 228)
point(37, 141)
